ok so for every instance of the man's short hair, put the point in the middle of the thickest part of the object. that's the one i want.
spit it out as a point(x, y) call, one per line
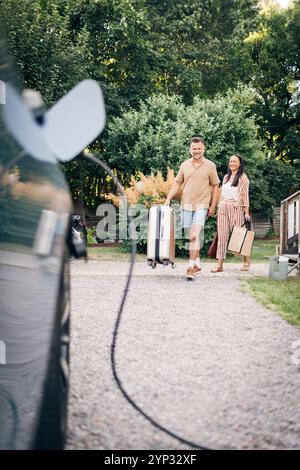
point(197, 139)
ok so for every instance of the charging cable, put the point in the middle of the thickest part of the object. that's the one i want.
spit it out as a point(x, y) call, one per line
point(91, 157)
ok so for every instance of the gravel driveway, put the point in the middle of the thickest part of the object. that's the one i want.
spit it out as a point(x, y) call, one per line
point(202, 358)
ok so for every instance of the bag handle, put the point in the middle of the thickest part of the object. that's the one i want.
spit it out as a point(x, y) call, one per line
point(247, 224)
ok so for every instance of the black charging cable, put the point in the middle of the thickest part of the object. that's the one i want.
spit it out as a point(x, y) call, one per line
point(106, 168)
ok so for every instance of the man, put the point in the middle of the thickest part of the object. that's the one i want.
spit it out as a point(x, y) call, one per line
point(200, 191)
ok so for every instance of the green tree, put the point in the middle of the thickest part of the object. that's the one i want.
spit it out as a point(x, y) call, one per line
point(125, 60)
point(203, 44)
point(144, 47)
point(274, 49)
point(48, 58)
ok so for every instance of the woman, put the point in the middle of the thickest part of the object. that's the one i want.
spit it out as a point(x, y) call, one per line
point(233, 208)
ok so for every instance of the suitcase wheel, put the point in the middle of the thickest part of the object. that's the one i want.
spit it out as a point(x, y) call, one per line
point(149, 262)
point(165, 262)
point(153, 265)
point(173, 266)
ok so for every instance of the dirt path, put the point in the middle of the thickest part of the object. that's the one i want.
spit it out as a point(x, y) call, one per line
point(202, 358)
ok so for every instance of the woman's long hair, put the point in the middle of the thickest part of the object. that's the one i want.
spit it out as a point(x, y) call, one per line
point(239, 172)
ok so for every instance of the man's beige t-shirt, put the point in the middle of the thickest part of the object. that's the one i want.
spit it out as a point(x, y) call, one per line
point(198, 182)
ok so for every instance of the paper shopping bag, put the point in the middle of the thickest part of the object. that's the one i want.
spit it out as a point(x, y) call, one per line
point(241, 241)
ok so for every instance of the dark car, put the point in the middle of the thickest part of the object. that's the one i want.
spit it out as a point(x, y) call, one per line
point(35, 240)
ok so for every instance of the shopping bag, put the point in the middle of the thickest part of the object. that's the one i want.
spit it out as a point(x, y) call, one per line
point(241, 240)
point(212, 250)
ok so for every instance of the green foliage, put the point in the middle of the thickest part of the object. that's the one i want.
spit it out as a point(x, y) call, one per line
point(125, 59)
point(227, 126)
point(274, 50)
point(206, 238)
point(135, 48)
point(201, 44)
point(153, 138)
point(48, 58)
point(271, 181)
point(156, 137)
point(87, 181)
point(282, 179)
point(91, 235)
point(166, 68)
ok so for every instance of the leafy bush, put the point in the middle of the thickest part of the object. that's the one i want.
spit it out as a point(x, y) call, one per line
point(91, 235)
point(156, 137)
point(149, 140)
point(206, 237)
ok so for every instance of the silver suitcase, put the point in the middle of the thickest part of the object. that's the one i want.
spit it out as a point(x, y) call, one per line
point(161, 236)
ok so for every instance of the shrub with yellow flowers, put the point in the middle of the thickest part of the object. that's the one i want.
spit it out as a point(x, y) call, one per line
point(146, 190)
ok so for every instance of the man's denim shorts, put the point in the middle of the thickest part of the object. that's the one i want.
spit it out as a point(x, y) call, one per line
point(189, 218)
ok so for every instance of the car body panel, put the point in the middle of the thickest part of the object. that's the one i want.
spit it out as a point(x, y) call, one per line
point(35, 208)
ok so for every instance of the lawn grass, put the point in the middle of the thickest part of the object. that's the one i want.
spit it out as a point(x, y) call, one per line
point(111, 253)
point(281, 296)
point(262, 250)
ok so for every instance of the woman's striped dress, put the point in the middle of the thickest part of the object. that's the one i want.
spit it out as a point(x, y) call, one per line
point(231, 213)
